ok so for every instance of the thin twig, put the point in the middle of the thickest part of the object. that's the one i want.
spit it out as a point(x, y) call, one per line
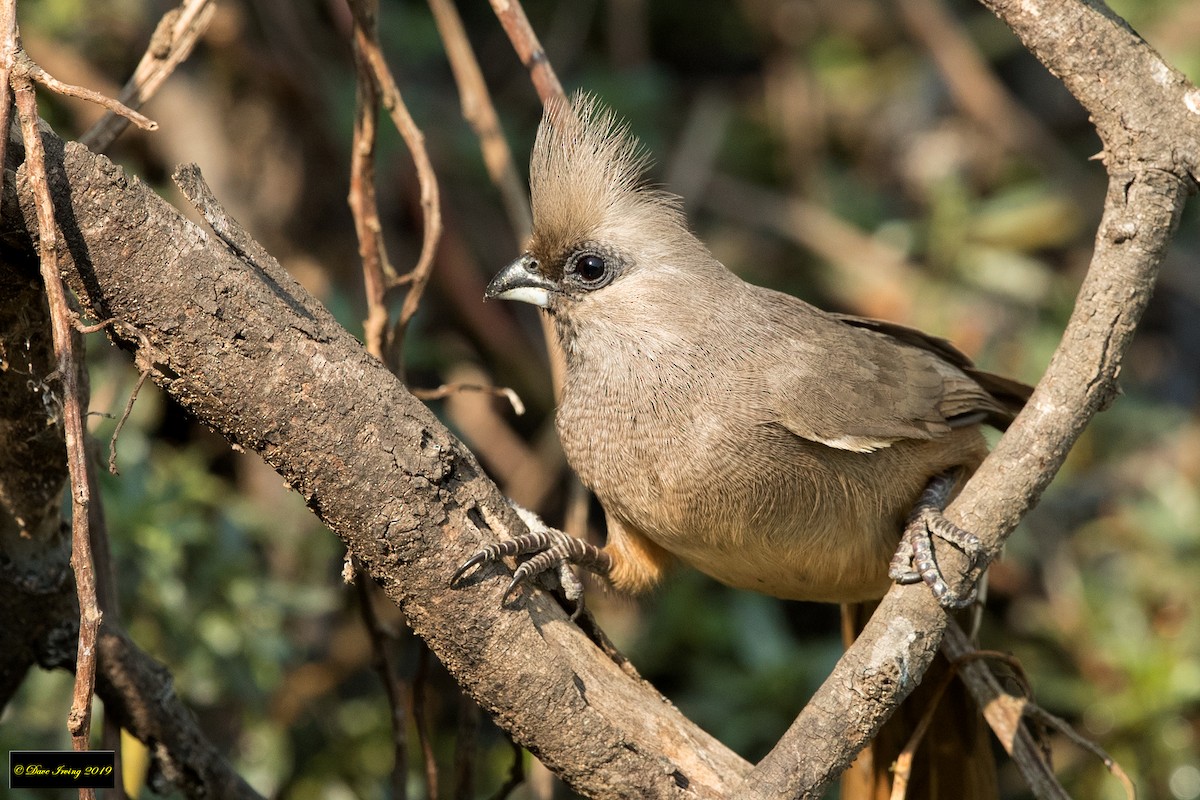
point(69, 365)
point(480, 113)
point(398, 693)
point(94, 327)
point(170, 45)
point(447, 389)
point(1043, 716)
point(529, 48)
point(9, 45)
point(545, 82)
point(903, 767)
point(1025, 707)
point(24, 65)
point(466, 748)
point(393, 101)
point(112, 443)
point(421, 718)
point(1003, 713)
point(363, 204)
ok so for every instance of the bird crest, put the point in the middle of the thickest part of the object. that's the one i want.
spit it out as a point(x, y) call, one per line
point(585, 174)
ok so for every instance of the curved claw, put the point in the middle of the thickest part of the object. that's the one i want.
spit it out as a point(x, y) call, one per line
point(494, 552)
point(473, 561)
point(550, 548)
point(914, 560)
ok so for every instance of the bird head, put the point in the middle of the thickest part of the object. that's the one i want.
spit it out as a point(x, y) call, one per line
point(596, 225)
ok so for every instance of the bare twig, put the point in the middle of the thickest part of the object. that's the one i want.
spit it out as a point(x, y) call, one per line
point(903, 767)
point(545, 81)
point(70, 364)
point(364, 12)
point(421, 719)
point(112, 442)
point(24, 65)
point(377, 270)
point(170, 45)
point(447, 389)
point(398, 692)
point(1043, 716)
point(94, 327)
point(529, 48)
point(478, 110)
point(1003, 713)
point(9, 46)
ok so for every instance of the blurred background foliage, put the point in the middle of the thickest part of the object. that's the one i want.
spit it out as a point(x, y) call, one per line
point(894, 158)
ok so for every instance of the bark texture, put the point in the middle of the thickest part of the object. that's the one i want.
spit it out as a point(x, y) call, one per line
point(241, 345)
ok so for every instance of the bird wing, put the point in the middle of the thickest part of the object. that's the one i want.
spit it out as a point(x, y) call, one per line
point(861, 385)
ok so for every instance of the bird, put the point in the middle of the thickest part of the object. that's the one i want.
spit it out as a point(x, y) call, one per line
point(777, 447)
point(770, 444)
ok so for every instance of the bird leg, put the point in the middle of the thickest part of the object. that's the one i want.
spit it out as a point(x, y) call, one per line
point(914, 560)
point(550, 549)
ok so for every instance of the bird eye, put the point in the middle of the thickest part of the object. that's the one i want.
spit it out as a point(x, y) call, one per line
point(591, 269)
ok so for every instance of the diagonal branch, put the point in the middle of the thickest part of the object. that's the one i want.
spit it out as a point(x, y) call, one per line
point(170, 45)
point(1141, 109)
point(409, 501)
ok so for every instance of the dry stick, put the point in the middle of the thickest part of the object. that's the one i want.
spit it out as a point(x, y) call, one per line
point(389, 672)
point(112, 442)
point(903, 767)
point(372, 78)
point(529, 49)
point(421, 718)
point(69, 364)
point(25, 64)
point(1004, 713)
point(170, 45)
point(394, 103)
point(479, 111)
point(9, 45)
point(1039, 714)
point(447, 389)
point(362, 199)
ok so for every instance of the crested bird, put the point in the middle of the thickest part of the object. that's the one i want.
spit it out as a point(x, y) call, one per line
point(774, 446)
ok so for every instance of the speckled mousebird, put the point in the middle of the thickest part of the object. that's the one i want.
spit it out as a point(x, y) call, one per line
point(765, 442)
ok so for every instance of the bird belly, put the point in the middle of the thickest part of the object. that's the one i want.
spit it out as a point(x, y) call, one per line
point(808, 565)
point(750, 503)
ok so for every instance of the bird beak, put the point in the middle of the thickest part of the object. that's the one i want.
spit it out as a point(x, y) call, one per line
point(520, 280)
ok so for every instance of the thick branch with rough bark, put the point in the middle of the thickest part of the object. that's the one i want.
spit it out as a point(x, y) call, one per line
point(1146, 115)
point(237, 341)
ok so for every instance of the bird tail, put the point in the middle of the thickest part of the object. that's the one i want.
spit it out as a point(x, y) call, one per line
point(1010, 395)
point(954, 758)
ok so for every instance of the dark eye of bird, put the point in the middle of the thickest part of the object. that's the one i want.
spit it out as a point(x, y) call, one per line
point(590, 268)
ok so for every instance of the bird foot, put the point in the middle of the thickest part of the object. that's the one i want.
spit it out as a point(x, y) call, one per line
point(914, 559)
point(548, 548)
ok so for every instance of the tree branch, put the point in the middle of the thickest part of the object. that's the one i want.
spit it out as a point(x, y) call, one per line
point(1142, 109)
point(245, 349)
